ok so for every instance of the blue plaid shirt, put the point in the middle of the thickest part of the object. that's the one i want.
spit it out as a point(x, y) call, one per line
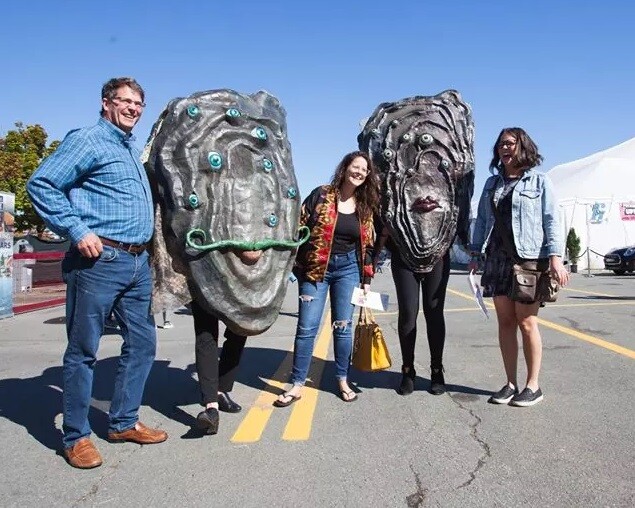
point(95, 182)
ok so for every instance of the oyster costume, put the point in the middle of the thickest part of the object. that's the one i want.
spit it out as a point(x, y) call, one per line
point(220, 164)
point(423, 150)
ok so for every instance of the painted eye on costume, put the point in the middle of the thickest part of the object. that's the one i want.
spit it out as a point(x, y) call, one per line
point(272, 220)
point(267, 165)
point(292, 192)
point(232, 113)
point(426, 139)
point(193, 200)
point(407, 137)
point(192, 111)
point(445, 164)
point(388, 154)
point(260, 133)
point(215, 161)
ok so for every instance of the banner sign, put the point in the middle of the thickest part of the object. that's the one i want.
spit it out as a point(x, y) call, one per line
point(597, 213)
point(627, 211)
point(7, 211)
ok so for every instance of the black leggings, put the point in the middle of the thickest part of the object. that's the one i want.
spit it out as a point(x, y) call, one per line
point(213, 375)
point(433, 285)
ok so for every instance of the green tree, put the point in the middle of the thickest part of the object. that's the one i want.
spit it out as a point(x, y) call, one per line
point(21, 152)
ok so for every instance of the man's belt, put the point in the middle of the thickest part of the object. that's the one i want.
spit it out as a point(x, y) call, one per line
point(128, 247)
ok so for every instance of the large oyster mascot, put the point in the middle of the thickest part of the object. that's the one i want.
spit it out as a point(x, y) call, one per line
point(423, 149)
point(227, 207)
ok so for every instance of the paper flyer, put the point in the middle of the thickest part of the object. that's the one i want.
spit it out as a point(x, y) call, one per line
point(478, 295)
point(372, 299)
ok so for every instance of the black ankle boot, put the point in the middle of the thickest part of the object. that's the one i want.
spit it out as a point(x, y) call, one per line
point(407, 385)
point(437, 382)
point(226, 404)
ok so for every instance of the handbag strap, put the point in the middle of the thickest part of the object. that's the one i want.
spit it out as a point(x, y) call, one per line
point(365, 316)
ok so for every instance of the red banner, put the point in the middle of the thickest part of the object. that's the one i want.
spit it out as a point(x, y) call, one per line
point(627, 211)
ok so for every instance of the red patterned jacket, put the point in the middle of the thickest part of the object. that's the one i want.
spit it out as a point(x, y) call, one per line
point(319, 213)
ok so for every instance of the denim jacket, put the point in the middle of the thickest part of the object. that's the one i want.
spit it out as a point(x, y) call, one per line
point(535, 221)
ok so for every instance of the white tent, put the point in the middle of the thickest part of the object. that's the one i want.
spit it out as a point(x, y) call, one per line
point(596, 195)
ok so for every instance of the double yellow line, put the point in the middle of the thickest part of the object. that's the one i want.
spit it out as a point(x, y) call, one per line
point(300, 420)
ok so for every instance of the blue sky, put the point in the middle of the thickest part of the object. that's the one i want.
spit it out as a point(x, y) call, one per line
point(563, 70)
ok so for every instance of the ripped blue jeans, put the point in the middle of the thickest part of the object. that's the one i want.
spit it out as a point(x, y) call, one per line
point(342, 276)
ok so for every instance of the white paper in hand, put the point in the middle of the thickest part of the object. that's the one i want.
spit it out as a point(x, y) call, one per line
point(478, 295)
point(372, 299)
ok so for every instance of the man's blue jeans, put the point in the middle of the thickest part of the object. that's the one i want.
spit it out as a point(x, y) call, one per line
point(120, 282)
point(342, 276)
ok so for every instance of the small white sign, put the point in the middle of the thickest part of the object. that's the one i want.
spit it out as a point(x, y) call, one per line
point(372, 299)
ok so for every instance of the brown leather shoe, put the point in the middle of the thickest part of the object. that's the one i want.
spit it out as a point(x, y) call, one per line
point(83, 454)
point(139, 434)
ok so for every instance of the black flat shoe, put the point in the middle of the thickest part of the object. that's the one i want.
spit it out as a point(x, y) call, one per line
point(226, 404)
point(207, 420)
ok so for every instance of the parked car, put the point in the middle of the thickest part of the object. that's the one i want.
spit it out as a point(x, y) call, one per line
point(620, 260)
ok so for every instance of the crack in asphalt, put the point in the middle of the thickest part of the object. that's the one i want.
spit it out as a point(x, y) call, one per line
point(86, 498)
point(91, 493)
point(576, 326)
point(417, 499)
point(474, 434)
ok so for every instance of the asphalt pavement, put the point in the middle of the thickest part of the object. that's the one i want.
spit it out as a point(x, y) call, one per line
point(576, 448)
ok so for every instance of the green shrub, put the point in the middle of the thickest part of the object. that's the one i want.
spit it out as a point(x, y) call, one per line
point(573, 246)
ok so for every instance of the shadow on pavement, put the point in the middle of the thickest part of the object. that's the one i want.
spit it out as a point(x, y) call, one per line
point(35, 402)
point(390, 380)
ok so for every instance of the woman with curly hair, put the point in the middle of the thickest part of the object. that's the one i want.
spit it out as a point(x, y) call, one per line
point(335, 260)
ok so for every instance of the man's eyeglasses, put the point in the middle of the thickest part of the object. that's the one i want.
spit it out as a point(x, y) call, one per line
point(130, 102)
point(510, 144)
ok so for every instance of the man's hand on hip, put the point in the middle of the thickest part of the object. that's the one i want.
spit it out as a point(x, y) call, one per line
point(90, 246)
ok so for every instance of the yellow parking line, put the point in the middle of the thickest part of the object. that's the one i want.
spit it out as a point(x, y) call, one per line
point(590, 304)
point(589, 338)
point(469, 297)
point(586, 292)
point(301, 419)
point(253, 425)
point(572, 332)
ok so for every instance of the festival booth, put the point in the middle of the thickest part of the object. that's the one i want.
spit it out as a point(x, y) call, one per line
point(596, 196)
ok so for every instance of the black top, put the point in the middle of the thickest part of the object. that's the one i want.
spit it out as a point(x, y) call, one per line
point(347, 233)
point(503, 220)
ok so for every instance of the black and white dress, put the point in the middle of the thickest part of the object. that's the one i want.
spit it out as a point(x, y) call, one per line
point(497, 273)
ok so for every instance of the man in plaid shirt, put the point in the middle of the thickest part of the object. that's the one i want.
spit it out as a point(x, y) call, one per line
point(94, 190)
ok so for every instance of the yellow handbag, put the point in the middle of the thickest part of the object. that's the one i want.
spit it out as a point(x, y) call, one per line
point(369, 347)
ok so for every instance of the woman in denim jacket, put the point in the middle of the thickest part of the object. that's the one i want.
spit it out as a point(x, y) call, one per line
point(517, 220)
